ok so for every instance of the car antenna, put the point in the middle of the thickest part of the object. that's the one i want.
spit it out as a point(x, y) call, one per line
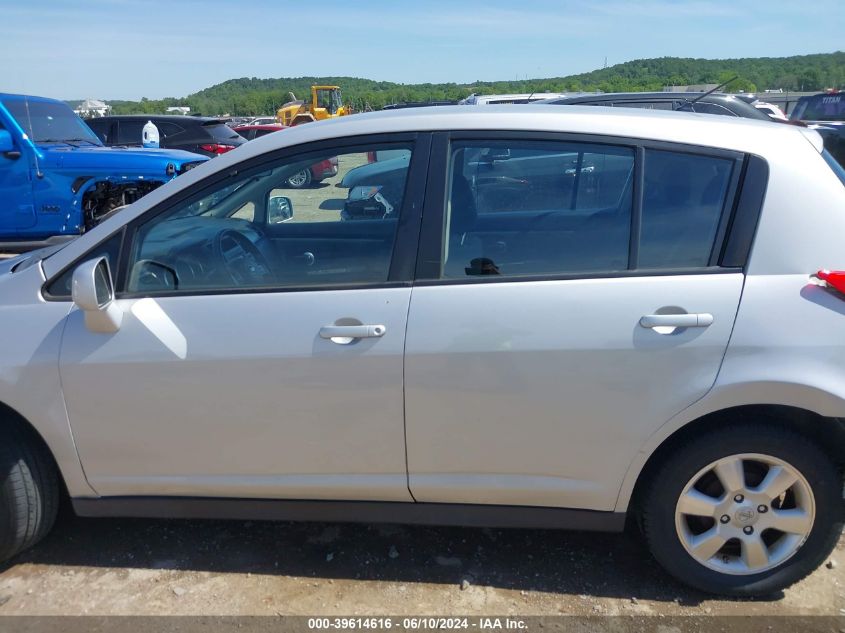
point(38, 172)
point(711, 91)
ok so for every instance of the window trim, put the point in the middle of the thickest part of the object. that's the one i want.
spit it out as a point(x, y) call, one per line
point(407, 231)
point(430, 253)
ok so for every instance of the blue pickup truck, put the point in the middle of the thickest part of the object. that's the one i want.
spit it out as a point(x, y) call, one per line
point(57, 179)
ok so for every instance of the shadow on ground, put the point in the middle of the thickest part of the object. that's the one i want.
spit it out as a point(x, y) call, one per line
point(601, 565)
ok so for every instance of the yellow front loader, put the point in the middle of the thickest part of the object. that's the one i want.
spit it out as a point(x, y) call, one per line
point(325, 103)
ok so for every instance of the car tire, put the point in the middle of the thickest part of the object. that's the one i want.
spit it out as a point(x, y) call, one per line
point(29, 489)
point(300, 180)
point(678, 528)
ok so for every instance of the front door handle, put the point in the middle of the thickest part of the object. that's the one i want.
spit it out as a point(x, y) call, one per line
point(702, 319)
point(345, 334)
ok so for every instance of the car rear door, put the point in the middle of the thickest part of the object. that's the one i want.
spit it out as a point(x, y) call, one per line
point(553, 328)
point(272, 370)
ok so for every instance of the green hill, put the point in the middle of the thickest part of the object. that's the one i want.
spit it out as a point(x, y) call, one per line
point(252, 96)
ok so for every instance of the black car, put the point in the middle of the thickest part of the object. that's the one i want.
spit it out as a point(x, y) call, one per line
point(201, 135)
point(825, 113)
point(713, 103)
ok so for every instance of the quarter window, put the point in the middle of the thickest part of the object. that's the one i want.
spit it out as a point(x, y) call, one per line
point(317, 219)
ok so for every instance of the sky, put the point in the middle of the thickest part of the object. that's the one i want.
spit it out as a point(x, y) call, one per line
point(124, 49)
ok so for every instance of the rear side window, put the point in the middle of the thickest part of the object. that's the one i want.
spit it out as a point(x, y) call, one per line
point(222, 132)
point(166, 128)
point(537, 207)
point(130, 132)
point(711, 108)
point(683, 199)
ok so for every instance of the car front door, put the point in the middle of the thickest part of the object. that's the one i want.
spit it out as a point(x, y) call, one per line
point(16, 206)
point(261, 344)
point(544, 343)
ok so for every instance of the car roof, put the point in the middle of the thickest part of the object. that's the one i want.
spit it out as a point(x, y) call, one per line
point(706, 130)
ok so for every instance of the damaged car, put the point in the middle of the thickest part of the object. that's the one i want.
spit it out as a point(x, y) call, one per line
point(57, 180)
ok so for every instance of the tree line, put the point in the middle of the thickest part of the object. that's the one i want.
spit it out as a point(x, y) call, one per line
point(254, 96)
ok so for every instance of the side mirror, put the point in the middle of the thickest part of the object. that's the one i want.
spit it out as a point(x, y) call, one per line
point(7, 145)
point(279, 209)
point(93, 293)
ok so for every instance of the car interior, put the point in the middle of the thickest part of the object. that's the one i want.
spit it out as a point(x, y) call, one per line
point(517, 211)
point(251, 234)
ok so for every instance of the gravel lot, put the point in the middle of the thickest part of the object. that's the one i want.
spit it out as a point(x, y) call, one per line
point(157, 567)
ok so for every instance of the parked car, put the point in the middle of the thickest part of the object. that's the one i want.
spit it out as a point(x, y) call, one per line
point(461, 360)
point(825, 112)
point(56, 178)
point(250, 132)
point(770, 109)
point(713, 103)
point(263, 120)
point(305, 177)
point(200, 135)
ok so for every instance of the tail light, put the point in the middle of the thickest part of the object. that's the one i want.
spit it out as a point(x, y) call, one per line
point(371, 157)
point(833, 278)
point(216, 148)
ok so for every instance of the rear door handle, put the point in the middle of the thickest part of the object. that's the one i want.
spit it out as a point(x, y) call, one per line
point(345, 334)
point(702, 319)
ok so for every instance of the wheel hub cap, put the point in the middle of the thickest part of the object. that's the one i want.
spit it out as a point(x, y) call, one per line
point(745, 514)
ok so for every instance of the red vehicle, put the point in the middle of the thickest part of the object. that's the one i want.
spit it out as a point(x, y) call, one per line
point(301, 179)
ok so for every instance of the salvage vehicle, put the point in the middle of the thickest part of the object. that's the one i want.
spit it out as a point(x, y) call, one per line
point(56, 178)
point(206, 136)
point(607, 351)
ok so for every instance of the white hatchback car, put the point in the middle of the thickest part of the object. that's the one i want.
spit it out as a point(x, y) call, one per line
point(524, 316)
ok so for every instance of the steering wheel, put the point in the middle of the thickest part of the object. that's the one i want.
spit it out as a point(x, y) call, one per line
point(244, 262)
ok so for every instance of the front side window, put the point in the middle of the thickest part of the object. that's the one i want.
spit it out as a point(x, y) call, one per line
point(537, 207)
point(316, 219)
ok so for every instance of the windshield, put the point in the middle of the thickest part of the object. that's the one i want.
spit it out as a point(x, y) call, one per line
point(50, 122)
point(821, 108)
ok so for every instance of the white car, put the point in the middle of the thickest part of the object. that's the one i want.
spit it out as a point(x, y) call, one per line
point(584, 318)
point(771, 109)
